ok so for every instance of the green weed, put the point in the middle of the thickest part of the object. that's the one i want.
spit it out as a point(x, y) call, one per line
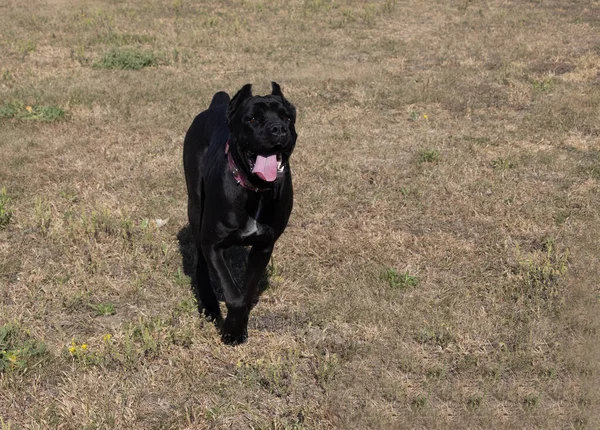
point(429, 156)
point(414, 115)
point(389, 6)
point(541, 273)
point(5, 211)
point(25, 47)
point(21, 111)
point(42, 215)
point(502, 164)
point(474, 402)
point(594, 172)
point(327, 368)
point(397, 280)
point(104, 309)
point(19, 351)
point(438, 336)
point(543, 86)
point(274, 375)
point(531, 401)
point(561, 216)
point(127, 59)
point(181, 278)
point(186, 306)
point(419, 402)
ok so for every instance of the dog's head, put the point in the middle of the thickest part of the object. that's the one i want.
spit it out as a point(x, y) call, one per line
point(263, 132)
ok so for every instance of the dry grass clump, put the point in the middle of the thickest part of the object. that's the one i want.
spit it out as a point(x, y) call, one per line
point(441, 265)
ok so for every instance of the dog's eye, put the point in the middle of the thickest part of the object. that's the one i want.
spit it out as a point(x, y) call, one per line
point(287, 118)
point(252, 120)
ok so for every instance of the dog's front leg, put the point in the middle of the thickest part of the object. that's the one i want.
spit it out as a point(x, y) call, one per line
point(239, 302)
point(257, 262)
point(234, 329)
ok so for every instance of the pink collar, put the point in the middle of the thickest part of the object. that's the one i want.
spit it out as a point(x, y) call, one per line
point(239, 177)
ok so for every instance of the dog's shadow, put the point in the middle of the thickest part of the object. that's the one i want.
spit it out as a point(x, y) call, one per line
point(236, 257)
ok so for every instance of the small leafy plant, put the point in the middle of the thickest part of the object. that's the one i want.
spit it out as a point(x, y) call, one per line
point(429, 156)
point(502, 164)
point(397, 280)
point(104, 309)
point(19, 351)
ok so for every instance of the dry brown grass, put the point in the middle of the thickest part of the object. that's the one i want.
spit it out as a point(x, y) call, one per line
point(455, 142)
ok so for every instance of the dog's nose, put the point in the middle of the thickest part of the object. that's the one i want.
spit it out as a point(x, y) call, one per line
point(278, 130)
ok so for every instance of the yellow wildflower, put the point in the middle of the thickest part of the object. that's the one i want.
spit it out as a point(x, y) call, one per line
point(107, 337)
point(425, 116)
point(72, 350)
point(28, 109)
point(84, 346)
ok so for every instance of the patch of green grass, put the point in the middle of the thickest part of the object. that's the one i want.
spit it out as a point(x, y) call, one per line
point(429, 156)
point(181, 278)
point(478, 140)
point(5, 211)
point(542, 86)
point(474, 402)
point(414, 115)
point(127, 59)
point(502, 164)
point(104, 309)
point(25, 47)
point(438, 336)
point(541, 274)
point(594, 172)
point(561, 216)
point(419, 402)
point(397, 280)
point(327, 368)
point(186, 306)
point(21, 111)
point(42, 215)
point(19, 351)
point(531, 401)
point(273, 374)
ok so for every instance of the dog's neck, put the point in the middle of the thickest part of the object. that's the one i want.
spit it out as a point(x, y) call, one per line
point(238, 174)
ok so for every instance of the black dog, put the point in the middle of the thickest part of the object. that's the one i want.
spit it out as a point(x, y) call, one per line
point(236, 161)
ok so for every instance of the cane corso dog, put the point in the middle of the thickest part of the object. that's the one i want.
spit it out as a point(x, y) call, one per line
point(236, 158)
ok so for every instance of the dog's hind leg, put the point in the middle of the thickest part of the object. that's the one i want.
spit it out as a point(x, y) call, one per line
point(205, 294)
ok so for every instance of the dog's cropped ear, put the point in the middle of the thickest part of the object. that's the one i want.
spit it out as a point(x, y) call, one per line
point(238, 99)
point(276, 89)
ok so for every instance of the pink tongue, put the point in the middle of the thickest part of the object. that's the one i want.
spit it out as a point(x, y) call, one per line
point(266, 167)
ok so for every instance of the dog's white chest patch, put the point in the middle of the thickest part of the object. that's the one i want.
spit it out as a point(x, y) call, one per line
point(251, 228)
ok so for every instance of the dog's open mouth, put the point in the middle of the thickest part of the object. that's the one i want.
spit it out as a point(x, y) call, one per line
point(267, 167)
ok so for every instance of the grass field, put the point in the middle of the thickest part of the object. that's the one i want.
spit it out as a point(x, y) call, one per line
point(441, 267)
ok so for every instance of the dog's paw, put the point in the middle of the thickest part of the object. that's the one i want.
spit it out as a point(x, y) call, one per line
point(234, 339)
point(234, 332)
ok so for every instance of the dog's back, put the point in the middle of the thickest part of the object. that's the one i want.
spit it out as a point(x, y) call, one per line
point(198, 137)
